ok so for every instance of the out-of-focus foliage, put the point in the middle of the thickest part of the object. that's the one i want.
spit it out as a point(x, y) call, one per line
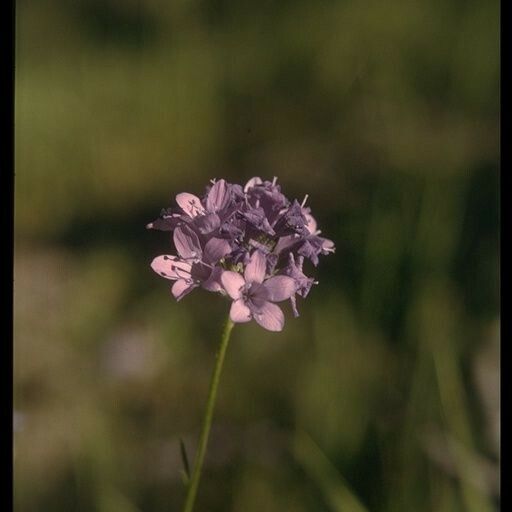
point(383, 395)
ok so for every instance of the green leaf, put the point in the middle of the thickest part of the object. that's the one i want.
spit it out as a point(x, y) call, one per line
point(186, 466)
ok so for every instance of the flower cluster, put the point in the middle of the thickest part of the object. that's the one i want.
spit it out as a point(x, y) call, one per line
point(247, 243)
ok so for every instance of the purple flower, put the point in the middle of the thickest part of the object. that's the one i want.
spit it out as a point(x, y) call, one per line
point(267, 195)
point(307, 244)
point(303, 283)
point(291, 221)
point(254, 297)
point(204, 216)
point(194, 267)
point(246, 243)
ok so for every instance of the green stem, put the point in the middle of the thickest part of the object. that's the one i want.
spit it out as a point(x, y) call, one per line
point(207, 420)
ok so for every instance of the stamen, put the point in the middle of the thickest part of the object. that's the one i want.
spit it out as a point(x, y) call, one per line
point(304, 200)
point(274, 181)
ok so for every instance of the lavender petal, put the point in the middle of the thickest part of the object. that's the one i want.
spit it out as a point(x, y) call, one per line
point(280, 288)
point(239, 312)
point(255, 269)
point(232, 283)
point(270, 317)
point(187, 243)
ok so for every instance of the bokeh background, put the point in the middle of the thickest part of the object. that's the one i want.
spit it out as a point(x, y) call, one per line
point(383, 395)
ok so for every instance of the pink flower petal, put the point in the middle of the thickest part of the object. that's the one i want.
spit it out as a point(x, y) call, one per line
point(233, 283)
point(190, 204)
point(170, 267)
point(215, 249)
point(280, 288)
point(212, 284)
point(187, 243)
point(270, 317)
point(256, 268)
point(207, 223)
point(239, 312)
point(181, 288)
point(217, 197)
point(285, 242)
point(327, 245)
point(311, 224)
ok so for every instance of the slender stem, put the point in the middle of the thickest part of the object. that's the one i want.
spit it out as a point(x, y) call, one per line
point(207, 420)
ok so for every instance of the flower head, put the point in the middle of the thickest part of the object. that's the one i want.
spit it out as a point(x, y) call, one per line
point(248, 244)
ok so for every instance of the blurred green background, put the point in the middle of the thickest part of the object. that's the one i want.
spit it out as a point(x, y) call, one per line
point(383, 395)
